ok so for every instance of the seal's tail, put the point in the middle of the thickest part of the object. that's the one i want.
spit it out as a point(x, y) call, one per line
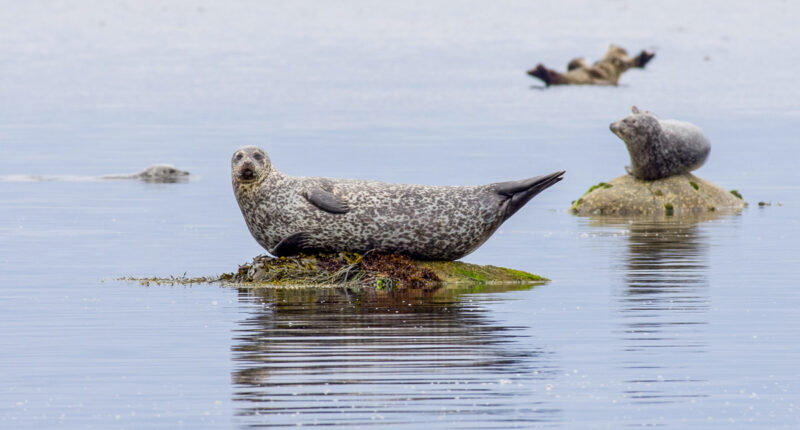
point(520, 192)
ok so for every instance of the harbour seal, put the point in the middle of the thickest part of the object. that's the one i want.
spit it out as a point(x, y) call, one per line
point(606, 71)
point(157, 173)
point(288, 215)
point(160, 173)
point(661, 148)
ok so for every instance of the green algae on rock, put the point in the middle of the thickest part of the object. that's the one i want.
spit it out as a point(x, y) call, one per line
point(627, 195)
point(380, 271)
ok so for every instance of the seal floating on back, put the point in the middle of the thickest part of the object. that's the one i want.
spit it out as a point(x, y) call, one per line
point(606, 71)
point(661, 148)
point(288, 215)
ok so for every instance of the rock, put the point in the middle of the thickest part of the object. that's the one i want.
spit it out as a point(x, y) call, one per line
point(685, 193)
point(345, 269)
point(372, 269)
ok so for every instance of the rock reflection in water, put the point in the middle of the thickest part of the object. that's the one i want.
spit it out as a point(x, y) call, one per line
point(664, 308)
point(338, 357)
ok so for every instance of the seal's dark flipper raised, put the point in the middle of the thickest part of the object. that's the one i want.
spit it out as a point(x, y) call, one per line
point(291, 245)
point(520, 192)
point(642, 59)
point(327, 201)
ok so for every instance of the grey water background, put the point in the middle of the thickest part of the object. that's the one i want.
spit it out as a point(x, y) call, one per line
point(668, 323)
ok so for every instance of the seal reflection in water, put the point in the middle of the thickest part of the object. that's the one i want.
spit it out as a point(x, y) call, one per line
point(288, 215)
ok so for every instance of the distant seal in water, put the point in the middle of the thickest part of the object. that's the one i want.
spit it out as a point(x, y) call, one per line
point(157, 173)
point(661, 148)
point(288, 215)
point(161, 173)
point(606, 71)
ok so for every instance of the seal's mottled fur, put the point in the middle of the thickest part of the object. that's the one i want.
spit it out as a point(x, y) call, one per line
point(287, 215)
point(661, 148)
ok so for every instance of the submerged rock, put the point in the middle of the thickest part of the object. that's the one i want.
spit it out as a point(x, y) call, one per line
point(381, 271)
point(684, 193)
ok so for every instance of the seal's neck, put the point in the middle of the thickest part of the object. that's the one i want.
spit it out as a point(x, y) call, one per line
point(250, 192)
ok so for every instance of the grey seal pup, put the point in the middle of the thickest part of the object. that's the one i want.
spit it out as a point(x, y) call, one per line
point(661, 148)
point(288, 215)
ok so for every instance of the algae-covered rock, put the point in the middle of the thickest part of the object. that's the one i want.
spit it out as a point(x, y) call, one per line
point(381, 271)
point(627, 195)
point(378, 270)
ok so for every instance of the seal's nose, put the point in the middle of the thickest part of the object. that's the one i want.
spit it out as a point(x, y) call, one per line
point(247, 171)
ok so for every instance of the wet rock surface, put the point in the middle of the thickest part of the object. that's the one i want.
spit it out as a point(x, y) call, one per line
point(374, 270)
point(684, 193)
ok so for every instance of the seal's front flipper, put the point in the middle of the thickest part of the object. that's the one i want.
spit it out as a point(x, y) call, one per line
point(326, 201)
point(291, 245)
point(577, 63)
point(628, 169)
point(517, 193)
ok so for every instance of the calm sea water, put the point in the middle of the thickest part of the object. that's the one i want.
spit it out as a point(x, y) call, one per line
point(675, 323)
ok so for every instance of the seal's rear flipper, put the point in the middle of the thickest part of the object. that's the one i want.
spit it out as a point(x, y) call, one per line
point(520, 192)
point(542, 73)
point(291, 245)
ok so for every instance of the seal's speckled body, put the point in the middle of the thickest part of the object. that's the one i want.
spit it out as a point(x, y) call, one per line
point(661, 148)
point(288, 215)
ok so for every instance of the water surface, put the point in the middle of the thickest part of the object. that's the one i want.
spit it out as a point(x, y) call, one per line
point(677, 323)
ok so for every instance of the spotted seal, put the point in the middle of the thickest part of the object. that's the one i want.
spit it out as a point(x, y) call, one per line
point(661, 148)
point(161, 173)
point(288, 215)
point(606, 71)
point(157, 173)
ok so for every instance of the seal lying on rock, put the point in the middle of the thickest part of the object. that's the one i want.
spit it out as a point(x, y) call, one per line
point(607, 71)
point(661, 148)
point(288, 215)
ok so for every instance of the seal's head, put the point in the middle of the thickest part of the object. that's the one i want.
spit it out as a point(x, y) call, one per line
point(163, 173)
point(249, 165)
point(637, 129)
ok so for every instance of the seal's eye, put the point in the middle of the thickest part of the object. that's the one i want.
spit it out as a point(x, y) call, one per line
point(171, 171)
point(239, 156)
point(258, 156)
